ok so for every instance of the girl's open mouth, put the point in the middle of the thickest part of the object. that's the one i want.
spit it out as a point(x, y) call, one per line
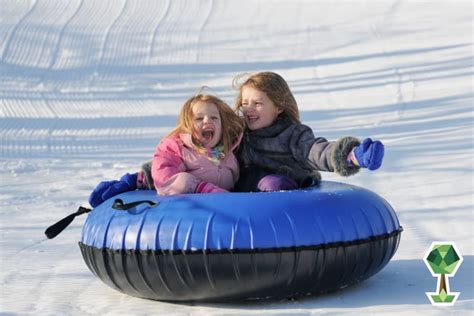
point(251, 118)
point(207, 134)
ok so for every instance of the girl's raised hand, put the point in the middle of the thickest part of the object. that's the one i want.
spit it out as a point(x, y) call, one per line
point(369, 154)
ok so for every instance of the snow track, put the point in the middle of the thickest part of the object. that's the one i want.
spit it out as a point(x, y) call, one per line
point(11, 22)
point(88, 88)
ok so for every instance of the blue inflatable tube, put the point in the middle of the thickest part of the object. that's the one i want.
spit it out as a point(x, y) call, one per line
point(217, 247)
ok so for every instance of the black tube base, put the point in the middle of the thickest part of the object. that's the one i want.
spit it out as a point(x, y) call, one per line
point(229, 275)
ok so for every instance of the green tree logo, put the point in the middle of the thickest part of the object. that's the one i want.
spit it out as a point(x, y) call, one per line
point(443, 260)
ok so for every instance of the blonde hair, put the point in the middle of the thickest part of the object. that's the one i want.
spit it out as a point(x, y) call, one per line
point(232, 124)
point(275, 88)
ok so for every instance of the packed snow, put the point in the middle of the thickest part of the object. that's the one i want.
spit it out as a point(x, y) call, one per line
point(88, 88)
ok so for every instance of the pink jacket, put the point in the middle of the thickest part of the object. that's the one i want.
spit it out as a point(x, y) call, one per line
point(177, 167)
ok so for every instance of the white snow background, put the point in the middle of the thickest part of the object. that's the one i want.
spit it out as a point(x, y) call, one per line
point(88, 88)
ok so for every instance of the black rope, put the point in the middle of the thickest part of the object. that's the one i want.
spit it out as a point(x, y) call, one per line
point(54, 230)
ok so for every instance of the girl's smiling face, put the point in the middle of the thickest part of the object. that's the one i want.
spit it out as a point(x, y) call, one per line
point(259, 111)
point(207, 123)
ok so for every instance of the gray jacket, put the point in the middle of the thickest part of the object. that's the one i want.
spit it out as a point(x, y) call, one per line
point(292, 150)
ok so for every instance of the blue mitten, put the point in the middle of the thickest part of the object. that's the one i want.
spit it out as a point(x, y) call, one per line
point(107, 189)
point(369, 154)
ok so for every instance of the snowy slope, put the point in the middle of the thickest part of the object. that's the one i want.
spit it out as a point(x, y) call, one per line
point(88, 88)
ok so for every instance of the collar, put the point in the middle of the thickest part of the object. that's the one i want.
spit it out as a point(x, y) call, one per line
point(216, 152)
point(278, 126)
point(187, 140)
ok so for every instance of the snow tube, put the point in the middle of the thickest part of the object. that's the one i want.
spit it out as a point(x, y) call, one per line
point(220, 247)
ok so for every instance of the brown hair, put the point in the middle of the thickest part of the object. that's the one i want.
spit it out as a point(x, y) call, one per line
point(232, 124)
point(276, 89)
